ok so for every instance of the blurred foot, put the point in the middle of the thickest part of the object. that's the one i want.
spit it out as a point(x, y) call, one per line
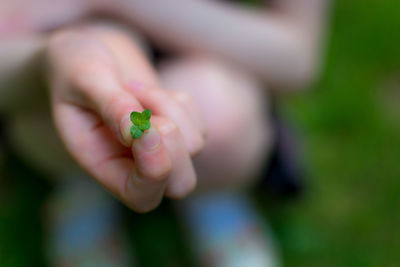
point(84, 227)
point(226, 231)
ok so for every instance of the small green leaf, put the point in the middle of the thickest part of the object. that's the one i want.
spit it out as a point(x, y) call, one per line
point(145, 126)
point(136, 132)
point(141, 122)
point(136, 118)
point(146, 114)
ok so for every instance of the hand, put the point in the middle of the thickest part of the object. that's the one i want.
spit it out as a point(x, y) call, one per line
point(90, 73)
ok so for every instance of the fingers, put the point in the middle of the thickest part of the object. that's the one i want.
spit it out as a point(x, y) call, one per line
point(190, 107)
point(88, 67)
point(182, 177)
point(128, 51)
point(94, 113)
point(185, 134)
point(152, 170)
point(140, 182)
point(162, 166)
point(133, 66)
point(162, 104)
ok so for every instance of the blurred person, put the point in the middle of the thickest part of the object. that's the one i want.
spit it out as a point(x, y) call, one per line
point(212, 81)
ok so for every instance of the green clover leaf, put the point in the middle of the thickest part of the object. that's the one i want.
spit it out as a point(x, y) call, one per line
point(141, 123)
point(145, 126)
point(136, 132)
point(146, 114)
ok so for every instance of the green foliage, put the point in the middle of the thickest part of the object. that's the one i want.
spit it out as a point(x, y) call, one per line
point(141, 123)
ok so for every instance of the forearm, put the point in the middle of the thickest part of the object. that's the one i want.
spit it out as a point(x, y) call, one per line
point(20, 72)
point(280, 48)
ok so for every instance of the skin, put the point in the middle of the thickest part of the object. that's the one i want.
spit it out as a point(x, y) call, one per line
point(234, 106)
point(286, 33)
point(97, 74)
point(91, 104)
point(279, 44)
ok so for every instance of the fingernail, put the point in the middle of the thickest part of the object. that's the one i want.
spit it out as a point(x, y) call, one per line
point(150, 140)
point(125, 134)
point(136, 86)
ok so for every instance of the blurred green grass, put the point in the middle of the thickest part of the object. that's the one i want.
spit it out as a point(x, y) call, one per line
point(350, 132)
point(350, 125)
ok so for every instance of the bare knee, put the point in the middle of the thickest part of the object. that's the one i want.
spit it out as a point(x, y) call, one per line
point(234, 107)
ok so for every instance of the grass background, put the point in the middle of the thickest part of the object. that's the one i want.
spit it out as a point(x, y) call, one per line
point(349, 125)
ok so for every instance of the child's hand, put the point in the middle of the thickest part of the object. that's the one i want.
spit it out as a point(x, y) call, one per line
point(92, 101)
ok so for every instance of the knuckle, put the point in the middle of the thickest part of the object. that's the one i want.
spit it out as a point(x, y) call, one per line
point(169, 128)
point(84, 61)
point(57, 45)
point(156, 94)
point(71, 40)
point(88, 74)
point(88, 79)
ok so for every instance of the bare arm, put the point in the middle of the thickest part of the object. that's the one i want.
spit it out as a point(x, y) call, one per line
point(279, 44)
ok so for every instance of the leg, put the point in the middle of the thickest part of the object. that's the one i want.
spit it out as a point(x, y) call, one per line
point(234, 106)
point(225, 228)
